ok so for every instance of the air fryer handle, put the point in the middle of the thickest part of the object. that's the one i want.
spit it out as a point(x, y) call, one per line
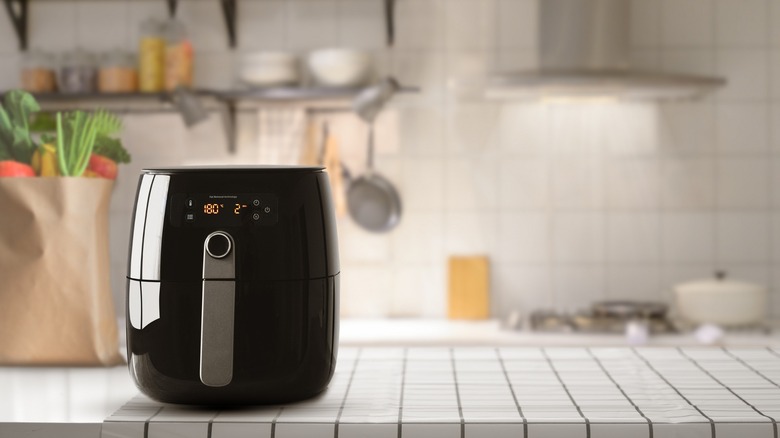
point(217, 310)
point(216, 335)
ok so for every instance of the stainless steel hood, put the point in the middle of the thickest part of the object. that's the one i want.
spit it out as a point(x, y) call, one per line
point(584, 53)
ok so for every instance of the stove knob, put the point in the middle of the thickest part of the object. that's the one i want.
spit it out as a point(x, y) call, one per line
point(218, 245)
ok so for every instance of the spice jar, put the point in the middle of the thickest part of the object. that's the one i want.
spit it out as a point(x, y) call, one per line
point(178, 55)
point(117, 73)
point(78, 73)
point(38, 73)
point(151, 57)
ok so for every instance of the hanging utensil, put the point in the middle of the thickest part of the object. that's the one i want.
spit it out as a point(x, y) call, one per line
point(371, 100)
point(372, 200)
point(332, 162)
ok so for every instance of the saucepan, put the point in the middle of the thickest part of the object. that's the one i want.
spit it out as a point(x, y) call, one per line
point(721, 301)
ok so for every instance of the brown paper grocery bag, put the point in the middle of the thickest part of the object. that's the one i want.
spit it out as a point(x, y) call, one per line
point(55, 298)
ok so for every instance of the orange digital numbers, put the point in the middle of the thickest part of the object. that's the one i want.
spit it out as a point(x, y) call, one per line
point(238, 208)
point(211, 208)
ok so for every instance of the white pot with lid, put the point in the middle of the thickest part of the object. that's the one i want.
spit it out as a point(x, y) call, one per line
point(721, 301)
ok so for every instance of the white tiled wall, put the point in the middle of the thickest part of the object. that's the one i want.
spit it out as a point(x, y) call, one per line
point(572, 203)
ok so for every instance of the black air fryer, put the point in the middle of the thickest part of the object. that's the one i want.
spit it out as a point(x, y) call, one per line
point(233, 285)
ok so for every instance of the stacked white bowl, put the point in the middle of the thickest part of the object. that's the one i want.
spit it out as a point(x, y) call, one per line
point(339, 67)
point(270, 69)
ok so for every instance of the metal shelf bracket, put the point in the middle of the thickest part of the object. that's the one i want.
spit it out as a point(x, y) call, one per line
point(390, 21)
point(229, 12)
point(18, 13)
point(172, 5)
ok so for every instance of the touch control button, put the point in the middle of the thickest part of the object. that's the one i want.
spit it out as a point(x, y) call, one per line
point(218, 245)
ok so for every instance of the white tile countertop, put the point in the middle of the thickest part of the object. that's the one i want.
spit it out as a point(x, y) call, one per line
point(438, 392)
point(437, 332)
point(60, 402)
point(73, 402)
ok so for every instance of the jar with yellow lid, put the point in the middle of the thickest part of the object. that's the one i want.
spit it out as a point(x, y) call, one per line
point(151, 57)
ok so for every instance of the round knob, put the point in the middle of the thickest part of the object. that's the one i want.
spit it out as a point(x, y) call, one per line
point(218, 244)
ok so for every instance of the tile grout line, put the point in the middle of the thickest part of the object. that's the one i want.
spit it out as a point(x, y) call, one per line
point(614, 382)
point(771, 168)
point(457, 394)
point(146, 423)
point(653, 369)
point(211, 424)
point(717, 207)
point(750, 367)
point(512, 390)
point(565, 388)
point(401, 399)
point(273, 422)
point(698, 365)
point(346, 394)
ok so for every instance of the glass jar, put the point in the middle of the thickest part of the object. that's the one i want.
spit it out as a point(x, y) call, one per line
point(118, 73)
point(38, 72)
point(78, 72)
point(151, 57)
point(178, 55)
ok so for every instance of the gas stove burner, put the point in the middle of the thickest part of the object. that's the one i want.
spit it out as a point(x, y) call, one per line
point(605, 317)
point(629, 309)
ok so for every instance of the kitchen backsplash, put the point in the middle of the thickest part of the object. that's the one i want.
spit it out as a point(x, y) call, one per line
point(572, 202)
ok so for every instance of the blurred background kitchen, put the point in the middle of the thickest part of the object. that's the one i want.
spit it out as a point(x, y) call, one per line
point(570, 201)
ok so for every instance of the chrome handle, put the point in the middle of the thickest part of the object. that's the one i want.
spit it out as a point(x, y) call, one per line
point(217, 310)
point(216, 333)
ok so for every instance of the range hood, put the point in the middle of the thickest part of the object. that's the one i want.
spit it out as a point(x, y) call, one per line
point(584, 53)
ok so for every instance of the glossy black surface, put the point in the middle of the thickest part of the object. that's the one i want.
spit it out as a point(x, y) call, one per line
point(286, 292)
point(300, 244)
point(284, 346)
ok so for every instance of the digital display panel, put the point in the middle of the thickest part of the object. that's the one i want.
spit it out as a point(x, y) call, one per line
point(217, 208)
point(229, 210)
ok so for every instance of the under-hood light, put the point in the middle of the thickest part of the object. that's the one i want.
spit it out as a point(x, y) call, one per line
point(574, 100)
point(628, 85)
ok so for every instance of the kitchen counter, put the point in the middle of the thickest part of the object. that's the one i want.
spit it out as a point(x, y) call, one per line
point(438, 392)
point(436, 332)
point(60, 402)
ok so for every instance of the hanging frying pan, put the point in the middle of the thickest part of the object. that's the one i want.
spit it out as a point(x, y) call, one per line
point(372, 200)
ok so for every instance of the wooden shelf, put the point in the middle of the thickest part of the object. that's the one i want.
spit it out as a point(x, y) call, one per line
point(298, 96)
point(226, 102)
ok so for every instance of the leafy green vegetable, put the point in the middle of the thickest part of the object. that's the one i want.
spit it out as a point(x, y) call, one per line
point(76, 136)
point(111, 148)
point(6, 136)
point(15, 140)
point(49, 138)
point(43, 122)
